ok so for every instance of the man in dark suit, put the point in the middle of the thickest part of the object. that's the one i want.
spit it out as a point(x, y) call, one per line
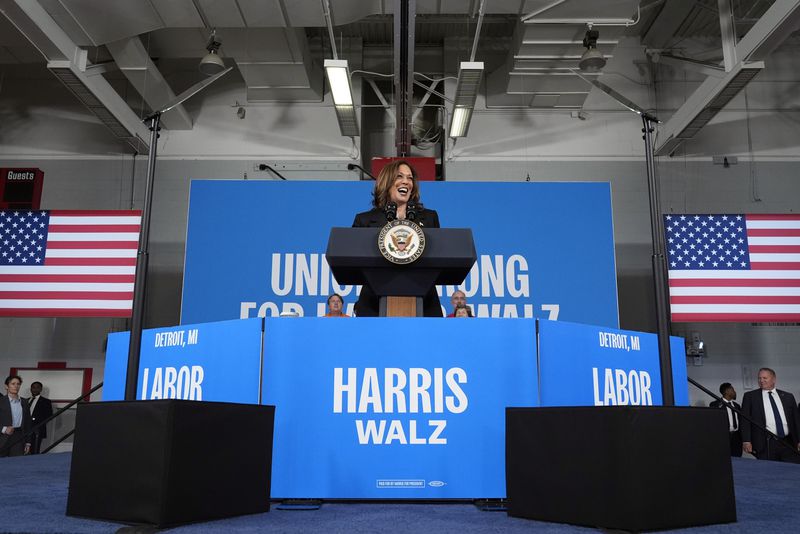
point(778, 412)
point(41, 408)
point(734, 425)
point(15, 420)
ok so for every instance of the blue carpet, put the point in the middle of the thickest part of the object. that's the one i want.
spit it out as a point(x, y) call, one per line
point(33, 497)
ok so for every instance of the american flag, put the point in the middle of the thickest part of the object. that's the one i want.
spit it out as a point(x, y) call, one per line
point(734, 267)
point(67, 263)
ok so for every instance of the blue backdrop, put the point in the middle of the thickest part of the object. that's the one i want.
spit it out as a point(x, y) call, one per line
point(586, 365)
point(257, 247)
point(448, 443)
point(210, 362)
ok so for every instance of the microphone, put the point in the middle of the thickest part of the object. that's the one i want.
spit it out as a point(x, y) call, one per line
point(391, 211)
point(353, 166)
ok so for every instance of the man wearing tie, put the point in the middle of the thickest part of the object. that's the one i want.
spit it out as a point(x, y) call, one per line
point(734, 430)
point(777, 411)
point(41, 409)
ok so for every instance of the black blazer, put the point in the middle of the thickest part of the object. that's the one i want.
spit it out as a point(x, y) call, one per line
point(375, 218)
point(753, 407)
point(6, 417)
point(721, 404)
point(367, 305)
point(42, 410)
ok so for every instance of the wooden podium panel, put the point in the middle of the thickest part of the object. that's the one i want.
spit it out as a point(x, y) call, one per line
point(401, 306)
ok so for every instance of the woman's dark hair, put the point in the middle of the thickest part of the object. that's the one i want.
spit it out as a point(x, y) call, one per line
point(385, 181)
point(462, 307)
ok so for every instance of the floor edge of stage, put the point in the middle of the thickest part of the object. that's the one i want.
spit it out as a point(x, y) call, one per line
point(34, 495)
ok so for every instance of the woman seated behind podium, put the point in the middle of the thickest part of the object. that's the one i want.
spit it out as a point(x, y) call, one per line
point(462, 310)
point(396, 195)
point(336, 306)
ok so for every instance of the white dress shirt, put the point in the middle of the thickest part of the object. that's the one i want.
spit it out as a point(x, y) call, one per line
point(16, 413)
point(732, 417)
point(770, 415)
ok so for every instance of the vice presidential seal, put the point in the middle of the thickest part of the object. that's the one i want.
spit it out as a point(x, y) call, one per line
point(401, 241)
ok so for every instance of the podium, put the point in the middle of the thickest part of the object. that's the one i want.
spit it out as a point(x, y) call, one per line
point(354, 259)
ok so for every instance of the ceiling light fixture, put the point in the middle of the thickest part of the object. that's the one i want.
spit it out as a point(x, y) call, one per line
point(211, 63)
point(469, 80)
point(592, 60)
point(338, 74)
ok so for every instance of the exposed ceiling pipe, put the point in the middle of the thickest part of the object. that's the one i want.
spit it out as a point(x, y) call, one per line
point(541, 10)
point(134, 61)
point(201, 14)
point(477, 32)
point(433, 91)
point(593, 22)
point(326, 9)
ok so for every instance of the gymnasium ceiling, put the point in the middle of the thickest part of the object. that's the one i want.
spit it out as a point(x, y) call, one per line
point(530, 47)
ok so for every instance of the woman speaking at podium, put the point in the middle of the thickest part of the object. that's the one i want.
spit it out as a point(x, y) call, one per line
point(396, 196)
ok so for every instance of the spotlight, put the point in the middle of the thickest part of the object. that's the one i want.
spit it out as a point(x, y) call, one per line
point(591, 60)
point(241, 112)
point(211, 63)
point(695, 347)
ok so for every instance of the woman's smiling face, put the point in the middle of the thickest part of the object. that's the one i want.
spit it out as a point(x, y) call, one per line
point(403, 186)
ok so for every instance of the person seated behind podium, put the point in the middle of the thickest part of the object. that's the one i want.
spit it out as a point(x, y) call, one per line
point(458, 298)
point(462, 311)
point(734, 426)
point(396, 195)
point(15, 420)
point(335, 306)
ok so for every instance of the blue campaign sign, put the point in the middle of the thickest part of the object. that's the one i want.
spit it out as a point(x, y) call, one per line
point(379, 408)
point(256, 248)
point(586, 365)
point(211, 362)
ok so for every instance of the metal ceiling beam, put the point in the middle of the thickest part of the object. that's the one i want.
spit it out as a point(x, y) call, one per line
point(777, 23)
point(774, 26)
point(701, 67)
point(727, 27)
point(703, 105)
point(666, 23)
point(68, 63)
point(381, 98)
point(134, 61)
point(404, 14)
